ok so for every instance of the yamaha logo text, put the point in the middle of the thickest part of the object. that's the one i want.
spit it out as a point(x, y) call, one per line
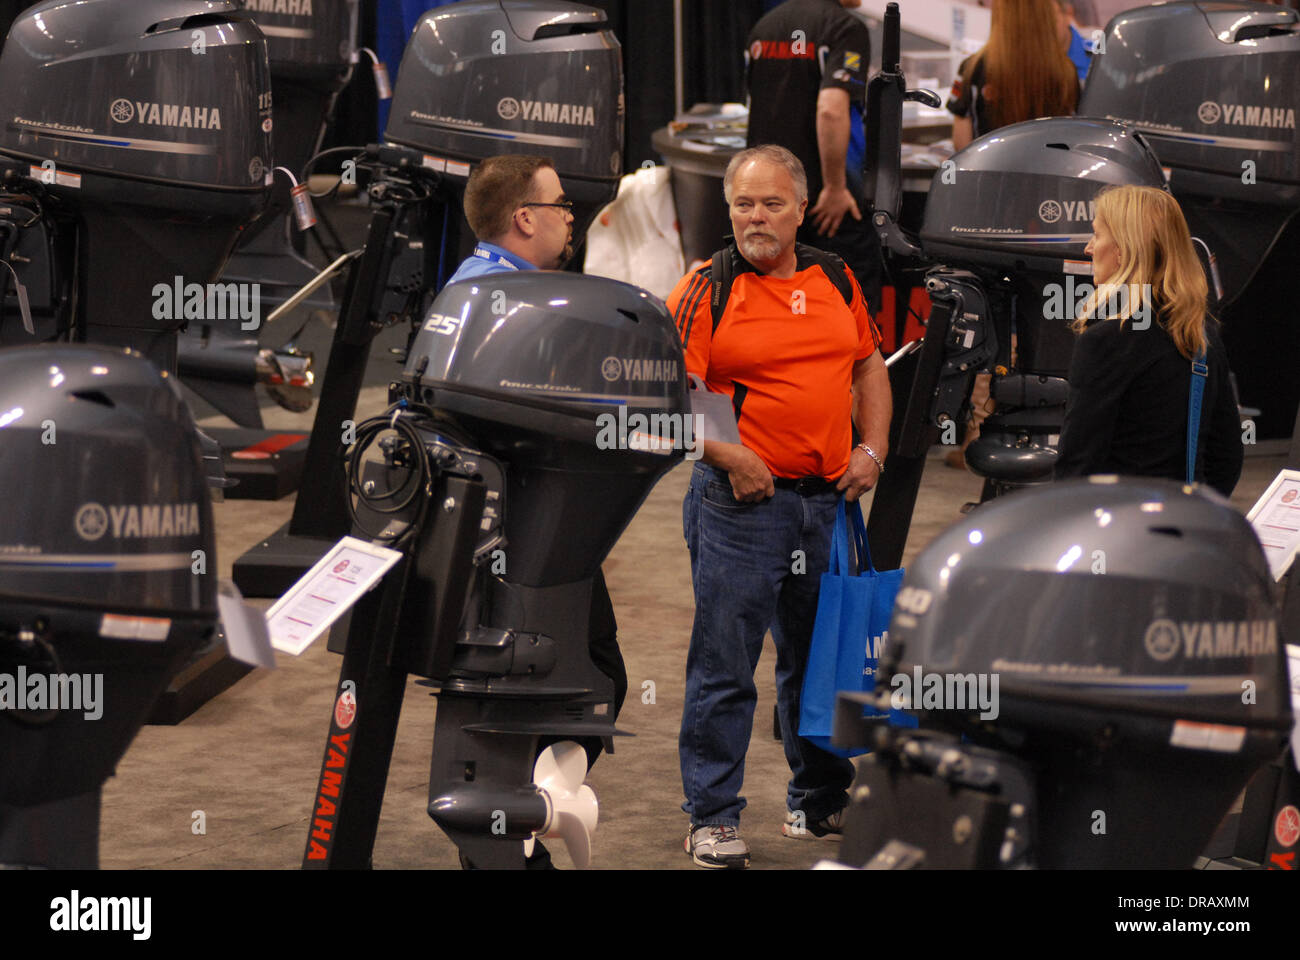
point(165, 114)
point(1075, 211)
point(93, 521)
point(295, 8)
point(1209, 639)
point(627, 368)
point(543, 111)
point(1246, 115)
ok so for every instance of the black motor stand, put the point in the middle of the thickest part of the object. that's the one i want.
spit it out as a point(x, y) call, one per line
point(386, 285)
point(509, 662)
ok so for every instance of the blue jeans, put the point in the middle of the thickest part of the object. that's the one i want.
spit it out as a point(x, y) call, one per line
point(742, 568)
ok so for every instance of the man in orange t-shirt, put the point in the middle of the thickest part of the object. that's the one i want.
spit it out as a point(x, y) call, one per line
point(800, 366)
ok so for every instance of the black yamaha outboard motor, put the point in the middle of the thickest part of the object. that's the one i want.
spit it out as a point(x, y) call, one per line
point(1215, 88)
point(477, 79)
point(536, 412)
point(309, 46)
point(485, 77)
point(1011, 224)
point(1009, 218)
point(1110, 651)
point(107, 512)
point(135, 144)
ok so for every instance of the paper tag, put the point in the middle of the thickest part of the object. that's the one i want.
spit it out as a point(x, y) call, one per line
point(718, 419)
point(1207, 736)
point(326, 592)
point(1077, 267)
point(435, 163)
point(151, 629)
point(24, 305)
point(247, 638)
point(457, 169)
point(1276, 519)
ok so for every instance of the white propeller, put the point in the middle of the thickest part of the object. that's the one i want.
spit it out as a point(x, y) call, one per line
point(571, 804)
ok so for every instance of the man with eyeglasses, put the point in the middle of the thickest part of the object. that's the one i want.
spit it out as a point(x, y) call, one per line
point(516, 207)
point(517, 210)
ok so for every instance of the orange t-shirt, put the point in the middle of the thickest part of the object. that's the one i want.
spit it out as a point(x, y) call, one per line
point(784, 353)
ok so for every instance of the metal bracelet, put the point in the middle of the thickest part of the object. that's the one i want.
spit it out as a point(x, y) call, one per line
point(872, 454)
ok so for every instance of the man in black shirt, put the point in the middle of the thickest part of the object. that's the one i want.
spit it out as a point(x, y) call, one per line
point(806, 69)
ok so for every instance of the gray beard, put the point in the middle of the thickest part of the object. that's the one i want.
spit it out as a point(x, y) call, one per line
point(759, 248)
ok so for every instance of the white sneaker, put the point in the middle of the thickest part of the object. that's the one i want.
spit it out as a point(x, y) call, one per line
point(797, 826)
point(717, 847)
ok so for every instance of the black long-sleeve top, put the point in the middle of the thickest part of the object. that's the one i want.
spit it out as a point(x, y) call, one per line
point(1127, 408)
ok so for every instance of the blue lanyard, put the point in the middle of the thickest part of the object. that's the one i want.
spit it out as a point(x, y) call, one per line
point(1199, 371)
point(489, 255)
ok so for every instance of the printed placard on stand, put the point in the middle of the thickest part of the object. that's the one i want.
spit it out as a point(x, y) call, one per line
point(326, 592)
point(1276, 519)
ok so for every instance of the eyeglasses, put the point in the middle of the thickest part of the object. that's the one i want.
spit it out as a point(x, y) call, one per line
point(565, 205)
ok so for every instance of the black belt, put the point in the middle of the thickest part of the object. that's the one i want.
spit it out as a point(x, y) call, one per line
point(805, 486)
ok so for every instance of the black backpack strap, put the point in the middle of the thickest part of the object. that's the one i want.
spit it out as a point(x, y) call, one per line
point(836, 272)
point(722, 272)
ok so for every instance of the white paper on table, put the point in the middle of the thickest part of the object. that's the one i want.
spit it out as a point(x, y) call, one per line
point(247, 638)
point(717, 418)
point(326, 592)
point(1276, 519)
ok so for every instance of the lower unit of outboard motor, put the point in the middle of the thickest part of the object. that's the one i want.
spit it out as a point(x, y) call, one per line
point(536, 412)
point(1099, 672)
point(107, 510)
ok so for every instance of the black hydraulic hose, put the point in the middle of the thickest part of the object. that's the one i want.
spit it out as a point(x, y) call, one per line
point(420, 477)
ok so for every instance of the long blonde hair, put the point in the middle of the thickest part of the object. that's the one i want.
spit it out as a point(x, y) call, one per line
point(1027, 72)
point(1156, 254)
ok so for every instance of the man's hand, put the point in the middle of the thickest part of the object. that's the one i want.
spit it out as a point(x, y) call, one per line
point(751, 481)
point(832, 205)
point(860, 477)
point(833, 127)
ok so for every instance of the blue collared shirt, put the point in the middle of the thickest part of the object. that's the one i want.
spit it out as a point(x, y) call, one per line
point(489, 258)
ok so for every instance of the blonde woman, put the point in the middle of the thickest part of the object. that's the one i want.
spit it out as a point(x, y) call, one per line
point(1132, 366)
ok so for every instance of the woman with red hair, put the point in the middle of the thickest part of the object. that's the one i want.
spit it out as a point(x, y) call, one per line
point(1023, 72)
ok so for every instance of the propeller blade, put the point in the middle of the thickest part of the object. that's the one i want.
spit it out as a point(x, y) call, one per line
point(559, 774)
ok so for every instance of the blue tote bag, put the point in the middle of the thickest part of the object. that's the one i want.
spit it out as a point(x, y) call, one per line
point(853, 614)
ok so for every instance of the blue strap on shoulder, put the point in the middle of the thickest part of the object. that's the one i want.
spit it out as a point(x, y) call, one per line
point(1199, 372)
